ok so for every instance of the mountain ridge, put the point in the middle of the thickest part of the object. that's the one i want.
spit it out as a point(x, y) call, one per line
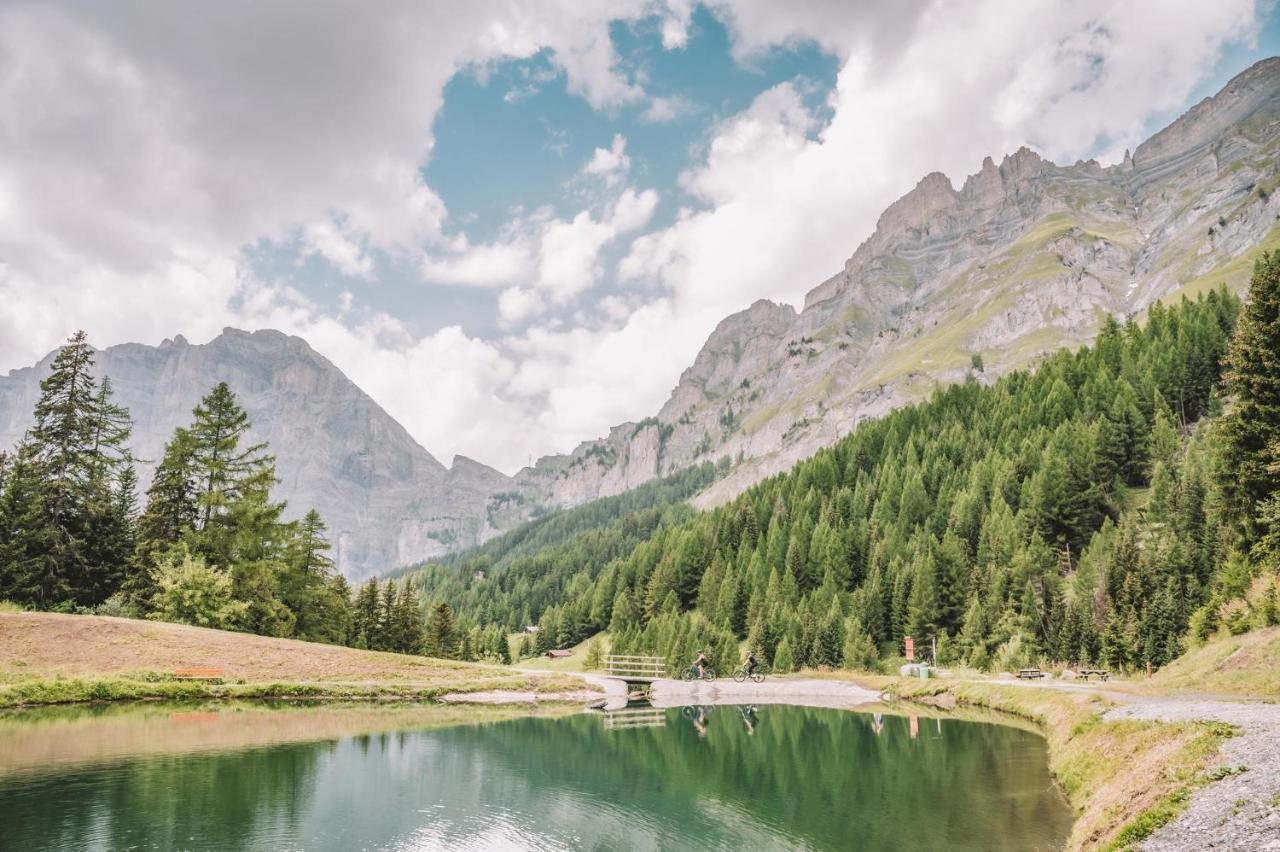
point(1024, 257)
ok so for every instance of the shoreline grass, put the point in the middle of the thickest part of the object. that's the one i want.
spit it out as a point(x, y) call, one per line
point(1123, 778)
point(45, 691)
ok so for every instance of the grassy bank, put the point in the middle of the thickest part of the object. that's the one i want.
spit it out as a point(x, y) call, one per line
point(48, 658)
point(1246, 666)
point(1124, 778)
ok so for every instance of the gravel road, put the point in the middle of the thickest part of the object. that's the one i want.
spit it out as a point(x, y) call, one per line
point(1241, 811)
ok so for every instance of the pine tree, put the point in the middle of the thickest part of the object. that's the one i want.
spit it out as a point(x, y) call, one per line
point(1250, 471)
point(441, 636)
point(783, 659)
point(70, 439)
point(222, 467)
point(171, 510)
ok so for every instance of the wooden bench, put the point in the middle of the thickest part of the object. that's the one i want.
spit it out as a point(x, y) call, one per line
point(1102, 674)
point(197, 673)
point(1029, 674)
point(559, 654)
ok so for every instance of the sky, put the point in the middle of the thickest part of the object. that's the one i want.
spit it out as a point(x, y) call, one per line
point(514, 222)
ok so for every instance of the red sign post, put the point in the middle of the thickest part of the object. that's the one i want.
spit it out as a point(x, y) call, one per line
point(910, 648)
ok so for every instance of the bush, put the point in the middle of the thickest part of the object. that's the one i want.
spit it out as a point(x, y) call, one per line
point(10, 606)
point(117, 605)
point(191, 592)
point(859, 648)
point(1014, 654)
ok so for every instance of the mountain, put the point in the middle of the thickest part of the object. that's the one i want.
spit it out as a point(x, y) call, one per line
point(387, 501)
point(1026, 256)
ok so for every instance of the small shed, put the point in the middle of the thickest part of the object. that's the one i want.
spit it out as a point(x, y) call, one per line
point(559, 654)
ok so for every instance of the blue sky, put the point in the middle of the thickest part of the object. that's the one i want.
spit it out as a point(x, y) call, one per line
point(514, 222)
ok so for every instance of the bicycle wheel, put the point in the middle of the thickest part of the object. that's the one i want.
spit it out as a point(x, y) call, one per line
point(740, 675)
point(758, 677)
point(689, 674)
point(708, 674)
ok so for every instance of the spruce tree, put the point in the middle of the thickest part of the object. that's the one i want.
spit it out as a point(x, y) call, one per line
point(441, 636)
point(222, 467)
point(1250, 470)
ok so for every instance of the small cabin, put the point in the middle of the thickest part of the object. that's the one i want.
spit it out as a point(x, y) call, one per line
point(559, 654)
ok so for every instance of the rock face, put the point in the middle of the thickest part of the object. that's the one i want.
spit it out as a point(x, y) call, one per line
point(1026, 256)
point(386, 500)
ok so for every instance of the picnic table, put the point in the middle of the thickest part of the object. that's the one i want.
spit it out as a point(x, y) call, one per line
point(1029, 674)
point(1102, 674)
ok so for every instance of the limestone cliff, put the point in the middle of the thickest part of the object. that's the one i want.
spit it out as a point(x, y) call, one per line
point(1026, 256)
point(386, 500)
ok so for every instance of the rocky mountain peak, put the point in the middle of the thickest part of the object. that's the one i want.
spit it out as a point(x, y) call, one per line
point(1253, 94)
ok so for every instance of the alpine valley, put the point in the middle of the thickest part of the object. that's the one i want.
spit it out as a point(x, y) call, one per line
point(1026, 256)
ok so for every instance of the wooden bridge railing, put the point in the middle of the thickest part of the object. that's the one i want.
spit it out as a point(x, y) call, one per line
point(635, 717)
point(632, 666)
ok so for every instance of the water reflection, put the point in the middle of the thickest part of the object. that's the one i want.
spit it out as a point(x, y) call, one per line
point(700, 777)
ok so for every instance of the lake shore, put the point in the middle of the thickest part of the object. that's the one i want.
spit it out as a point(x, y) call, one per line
point(51, 658)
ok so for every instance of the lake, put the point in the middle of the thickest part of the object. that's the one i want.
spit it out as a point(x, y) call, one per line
point(345, 778)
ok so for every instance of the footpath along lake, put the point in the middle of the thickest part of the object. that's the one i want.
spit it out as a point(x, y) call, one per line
point(728, 777)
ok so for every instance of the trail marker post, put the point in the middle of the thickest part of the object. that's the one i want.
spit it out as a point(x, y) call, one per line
point(910, 648)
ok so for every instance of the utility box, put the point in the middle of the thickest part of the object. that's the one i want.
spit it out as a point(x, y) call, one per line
point(923, 669)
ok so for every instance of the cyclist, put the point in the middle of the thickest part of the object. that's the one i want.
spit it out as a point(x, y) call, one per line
point(701, 664)
point(750, 663)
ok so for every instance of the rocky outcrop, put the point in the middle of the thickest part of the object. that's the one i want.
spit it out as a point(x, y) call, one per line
point(386, 500)
point(1026, 256)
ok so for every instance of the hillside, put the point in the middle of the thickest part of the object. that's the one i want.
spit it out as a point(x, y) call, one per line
point(387, 501)
point(995, 518)
point(45, 644)
point(1025, 257)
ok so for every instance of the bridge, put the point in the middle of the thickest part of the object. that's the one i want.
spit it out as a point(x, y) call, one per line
point(635, 670)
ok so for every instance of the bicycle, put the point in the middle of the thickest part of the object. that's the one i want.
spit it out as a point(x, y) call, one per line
point(756, 676)
point(691, 673)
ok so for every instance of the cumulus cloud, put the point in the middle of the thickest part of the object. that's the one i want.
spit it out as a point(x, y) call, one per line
point(609, 163)
point(787, 203)
point(146, 152)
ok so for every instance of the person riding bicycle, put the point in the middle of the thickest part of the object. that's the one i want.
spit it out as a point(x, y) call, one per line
point(750, 663)
point(701, 664)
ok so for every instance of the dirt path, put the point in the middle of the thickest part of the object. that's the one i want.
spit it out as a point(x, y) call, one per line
point(1242, 809)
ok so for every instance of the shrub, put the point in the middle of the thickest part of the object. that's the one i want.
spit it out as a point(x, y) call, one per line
point(191, 592)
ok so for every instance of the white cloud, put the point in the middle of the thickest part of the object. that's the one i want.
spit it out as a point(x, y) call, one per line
point(664, 109)
point(494, 264)
point(609, 163)
point(517, 304)
point(328, 240)
point(786, 207)
point(147, 153)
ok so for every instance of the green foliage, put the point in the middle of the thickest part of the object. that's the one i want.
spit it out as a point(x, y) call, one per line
point(190, 592)
point(997, 519)
point(1250, 469)
point(71, 538)
point(442, 638)
point(595, 654)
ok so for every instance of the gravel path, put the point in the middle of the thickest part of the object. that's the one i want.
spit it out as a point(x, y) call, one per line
point(1241, 811)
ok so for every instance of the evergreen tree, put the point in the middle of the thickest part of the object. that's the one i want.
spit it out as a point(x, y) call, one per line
point(442, 633)
point(1250, 470)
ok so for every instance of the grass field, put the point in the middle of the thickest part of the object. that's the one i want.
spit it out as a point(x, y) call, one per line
point(52, 658)
point(575, 662)
point(1246, 666)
